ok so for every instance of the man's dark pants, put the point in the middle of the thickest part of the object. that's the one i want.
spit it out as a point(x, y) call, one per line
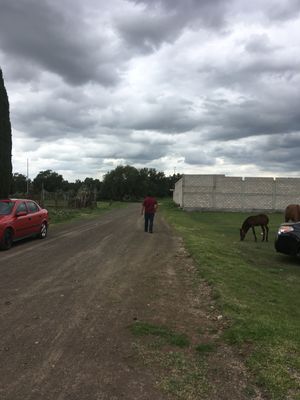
point(149, 217)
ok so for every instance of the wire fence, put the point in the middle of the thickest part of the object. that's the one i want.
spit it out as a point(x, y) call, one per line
point(81, 199)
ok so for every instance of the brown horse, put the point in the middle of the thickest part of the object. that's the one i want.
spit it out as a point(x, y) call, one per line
point(255, 220)
point(292, 213)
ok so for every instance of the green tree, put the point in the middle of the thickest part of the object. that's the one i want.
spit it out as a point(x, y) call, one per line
point(153, 182)
point(94, 186)
point(129, 183)
point(48, 180)
point(92, 183)
point(19, 183)
point(121, 184)
point(5, 142)
point(72, 186)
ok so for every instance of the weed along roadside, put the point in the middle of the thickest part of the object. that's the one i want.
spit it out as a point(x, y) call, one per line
point(59, 215)
point(256, 291)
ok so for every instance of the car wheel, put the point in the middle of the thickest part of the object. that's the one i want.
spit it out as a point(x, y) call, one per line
point(7, 240)
point(43, 231)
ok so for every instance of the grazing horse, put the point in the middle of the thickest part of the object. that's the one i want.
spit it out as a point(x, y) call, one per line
point(255, 220)
point(292, 213)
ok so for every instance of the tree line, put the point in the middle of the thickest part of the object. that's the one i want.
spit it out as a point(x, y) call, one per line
point(122, 183)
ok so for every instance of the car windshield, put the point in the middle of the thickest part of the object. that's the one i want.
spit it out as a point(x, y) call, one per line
point(6, 207)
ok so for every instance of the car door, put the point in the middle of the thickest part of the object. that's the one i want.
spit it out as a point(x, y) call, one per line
point(35, 216)
point(21, 221)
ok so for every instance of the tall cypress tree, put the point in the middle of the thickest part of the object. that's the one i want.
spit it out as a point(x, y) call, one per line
point(5, 142)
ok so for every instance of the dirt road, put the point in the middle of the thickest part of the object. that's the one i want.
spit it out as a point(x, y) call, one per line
point(67, 303)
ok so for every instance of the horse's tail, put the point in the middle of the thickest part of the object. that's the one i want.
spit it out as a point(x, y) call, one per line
point(287, 213)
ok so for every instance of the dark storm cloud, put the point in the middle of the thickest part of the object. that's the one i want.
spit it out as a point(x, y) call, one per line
point(266, 116)
point(283, 152)
point(284, 10)
point(276, 153)
point(134, 153)
point(128, 149)
point(55, 114)
point(210, 13)
point(216, 14)
point(146, 33)
point(53, 36)
point(164, 21)
point(167, 115)
point(163, 120)
point(260, 43)
point(198, 157)
point(265, 10)
point(248, 73)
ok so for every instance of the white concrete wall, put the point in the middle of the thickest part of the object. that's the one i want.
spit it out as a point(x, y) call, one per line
point(219, 192)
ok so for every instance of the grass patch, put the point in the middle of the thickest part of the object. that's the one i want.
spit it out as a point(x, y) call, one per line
point(58, 215)
point(170, 337)
point(188, 377)
point(257, 289)
point(179, 374)
point(205, 347)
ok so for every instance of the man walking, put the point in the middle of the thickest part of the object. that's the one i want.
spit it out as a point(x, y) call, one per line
point(149, 208)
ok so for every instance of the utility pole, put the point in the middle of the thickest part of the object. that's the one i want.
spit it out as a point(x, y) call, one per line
point(27, 180)
point(43, 195)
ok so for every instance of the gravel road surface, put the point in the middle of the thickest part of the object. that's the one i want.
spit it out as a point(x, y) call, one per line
point(67, 302)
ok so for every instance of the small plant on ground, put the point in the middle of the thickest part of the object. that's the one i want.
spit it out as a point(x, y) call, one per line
point(170, 337)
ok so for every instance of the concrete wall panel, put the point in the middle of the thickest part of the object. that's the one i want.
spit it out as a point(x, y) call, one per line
point(258, 185)
point(193, 200)
point(229, 184)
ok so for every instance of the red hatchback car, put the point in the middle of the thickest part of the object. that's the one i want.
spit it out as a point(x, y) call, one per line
point(20, 219)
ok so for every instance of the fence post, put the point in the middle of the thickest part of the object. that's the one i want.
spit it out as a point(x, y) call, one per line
point(274, 194)
point(243, 194)
point(42, 197)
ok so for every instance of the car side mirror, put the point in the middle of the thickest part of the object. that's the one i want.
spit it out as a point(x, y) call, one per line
point(21, 213)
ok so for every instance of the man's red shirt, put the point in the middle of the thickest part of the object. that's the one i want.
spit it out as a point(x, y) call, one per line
point(149, 204)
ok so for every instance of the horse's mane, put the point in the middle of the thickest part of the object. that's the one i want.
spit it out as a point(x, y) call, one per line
point(246, 224)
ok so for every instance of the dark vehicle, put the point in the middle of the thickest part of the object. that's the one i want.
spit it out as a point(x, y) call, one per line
point(288, 239)
point(20, 219)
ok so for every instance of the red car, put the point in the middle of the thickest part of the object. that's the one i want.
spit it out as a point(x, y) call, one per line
point(21, 219)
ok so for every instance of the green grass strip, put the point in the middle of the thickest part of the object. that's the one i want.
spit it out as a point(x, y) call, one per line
point(256, 288)
point(170, 337)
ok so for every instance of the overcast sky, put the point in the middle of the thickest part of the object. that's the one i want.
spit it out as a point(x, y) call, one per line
point(191, 86)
